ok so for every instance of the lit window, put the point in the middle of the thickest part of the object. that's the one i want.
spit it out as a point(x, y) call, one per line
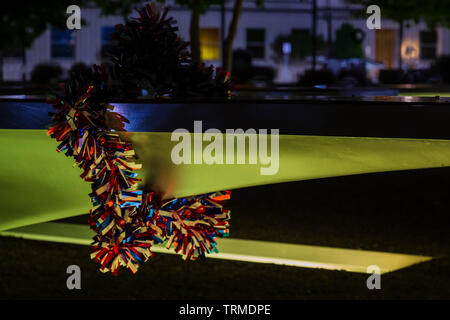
point(256, 43)
point(62, 43)
point(108, 44)
point(428, 41)
point(209, 44)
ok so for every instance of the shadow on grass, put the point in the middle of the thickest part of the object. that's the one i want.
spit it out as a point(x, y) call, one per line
point(398, 212)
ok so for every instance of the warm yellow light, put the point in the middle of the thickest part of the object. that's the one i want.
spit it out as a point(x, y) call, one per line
point(209, 44)
point(410, 49)
point(210, 52)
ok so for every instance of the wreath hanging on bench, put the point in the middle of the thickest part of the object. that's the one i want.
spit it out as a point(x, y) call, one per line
point(149, 56)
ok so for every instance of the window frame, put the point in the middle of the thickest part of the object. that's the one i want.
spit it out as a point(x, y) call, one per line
point(61, 42)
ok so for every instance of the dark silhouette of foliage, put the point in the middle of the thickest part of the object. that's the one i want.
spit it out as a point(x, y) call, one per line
point(150, 56)
point(346, 44)
point(45, 73)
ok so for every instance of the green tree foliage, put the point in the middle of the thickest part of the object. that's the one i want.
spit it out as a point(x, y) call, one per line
point(197, 8)
point(346, 44)
point(23, 21)
point(199, 5)
point(433, 12)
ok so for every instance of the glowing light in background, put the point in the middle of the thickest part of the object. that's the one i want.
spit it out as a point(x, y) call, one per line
point(410, 50)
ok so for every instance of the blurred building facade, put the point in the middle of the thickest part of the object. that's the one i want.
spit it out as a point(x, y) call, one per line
point(257, 31)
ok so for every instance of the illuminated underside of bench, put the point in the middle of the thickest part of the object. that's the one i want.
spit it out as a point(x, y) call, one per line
point(245, 250)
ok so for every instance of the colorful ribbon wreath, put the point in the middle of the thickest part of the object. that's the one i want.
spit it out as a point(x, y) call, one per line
point(128, 221)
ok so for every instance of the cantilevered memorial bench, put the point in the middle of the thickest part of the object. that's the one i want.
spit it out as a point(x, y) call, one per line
point(317, 138)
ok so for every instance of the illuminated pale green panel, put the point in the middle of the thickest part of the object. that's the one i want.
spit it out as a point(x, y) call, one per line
point(38, 184)
point(246, 250)
point(300, 158)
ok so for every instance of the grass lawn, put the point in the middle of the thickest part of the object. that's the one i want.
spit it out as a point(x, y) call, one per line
point(424, 94)
point(404, 212)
